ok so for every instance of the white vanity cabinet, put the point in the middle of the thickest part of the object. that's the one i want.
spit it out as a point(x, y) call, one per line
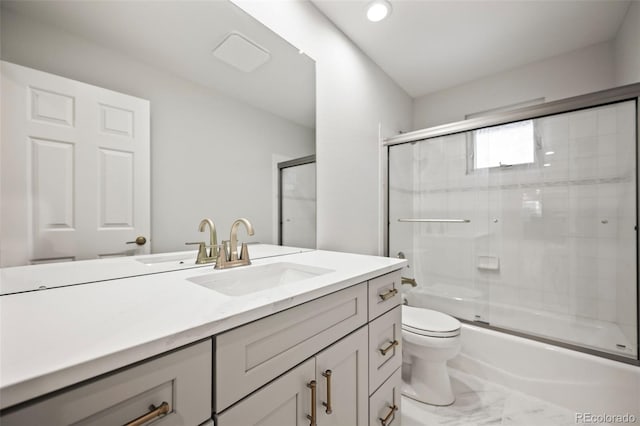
point(384, 404)
point(331, 361)
point(251, 355)
point(385, 350)
point(171, 390)
point(347, 348)
point(330, 388)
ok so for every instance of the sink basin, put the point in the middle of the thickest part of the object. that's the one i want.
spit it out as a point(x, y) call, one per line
point(154, 259)
point(252, 279)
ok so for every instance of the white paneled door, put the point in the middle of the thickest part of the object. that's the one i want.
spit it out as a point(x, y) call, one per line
point(75, 174)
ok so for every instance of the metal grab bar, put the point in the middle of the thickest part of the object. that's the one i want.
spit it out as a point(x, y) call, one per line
point(436, 220)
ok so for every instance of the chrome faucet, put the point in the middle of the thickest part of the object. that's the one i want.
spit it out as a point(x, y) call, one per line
point(231, 259)
point(212, 254)
point(213, 237)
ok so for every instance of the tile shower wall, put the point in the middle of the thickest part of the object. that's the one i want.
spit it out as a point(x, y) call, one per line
point(555, 236)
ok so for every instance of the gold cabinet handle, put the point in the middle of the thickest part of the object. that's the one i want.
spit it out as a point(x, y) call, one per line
point(312, 418)
point(327, 375)
point(139, 241)
point(384, 351)
point(158, 411)
point(388, 294)
point(392, 409)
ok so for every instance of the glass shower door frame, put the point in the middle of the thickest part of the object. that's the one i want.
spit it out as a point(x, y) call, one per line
point(310, 159)
point(601, 98)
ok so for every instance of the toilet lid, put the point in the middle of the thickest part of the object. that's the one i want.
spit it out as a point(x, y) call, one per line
point(429, 323)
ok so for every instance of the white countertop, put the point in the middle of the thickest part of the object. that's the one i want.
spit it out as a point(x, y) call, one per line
point(61, 336)
point(17, 279)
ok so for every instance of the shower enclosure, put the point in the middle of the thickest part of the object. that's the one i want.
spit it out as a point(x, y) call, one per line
point(297, 202)
point(526, 222)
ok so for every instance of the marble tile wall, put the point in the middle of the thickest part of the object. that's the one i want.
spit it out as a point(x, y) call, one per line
point(561, 229)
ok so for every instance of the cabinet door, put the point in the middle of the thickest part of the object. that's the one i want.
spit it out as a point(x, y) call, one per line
point(385, 347)
point(254, 354)
point(284, 402)
point(177, 384)
point(384, 404)
point(384, 294)
point(341, 374)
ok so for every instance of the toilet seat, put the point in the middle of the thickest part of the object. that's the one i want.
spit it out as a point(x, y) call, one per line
point(426, 322)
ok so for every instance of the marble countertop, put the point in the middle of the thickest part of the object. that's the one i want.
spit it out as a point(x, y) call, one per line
point(61, 336)
point(18, 279)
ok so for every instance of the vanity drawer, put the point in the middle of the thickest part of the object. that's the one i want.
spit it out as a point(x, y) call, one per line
point(252, 355)
point(384, 404)
point(385, 347)
point(181, 380)
point(384, 294)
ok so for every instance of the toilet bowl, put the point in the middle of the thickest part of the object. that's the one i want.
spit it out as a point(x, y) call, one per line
point(430, 339)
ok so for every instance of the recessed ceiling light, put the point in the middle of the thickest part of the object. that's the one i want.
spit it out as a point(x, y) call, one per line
point(378, 10)
point(549, 153)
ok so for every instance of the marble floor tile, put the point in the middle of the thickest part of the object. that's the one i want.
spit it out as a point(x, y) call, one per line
point(481, 403)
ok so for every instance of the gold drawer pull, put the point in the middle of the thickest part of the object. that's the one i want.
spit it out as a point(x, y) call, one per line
point(384, 351)
point(158, 411)
point(392, 410)
point(312, 385)
point(388, 294)
point(327, 375)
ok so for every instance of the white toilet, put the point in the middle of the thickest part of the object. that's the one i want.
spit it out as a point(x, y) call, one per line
point(430, 339)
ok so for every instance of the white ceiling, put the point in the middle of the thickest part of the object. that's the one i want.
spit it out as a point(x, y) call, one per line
point(179, 37)
point(426, 45)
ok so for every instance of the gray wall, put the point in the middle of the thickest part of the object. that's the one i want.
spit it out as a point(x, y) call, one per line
point(586, 70)
point(627, 51)
point(357, 104)
point(575, 73)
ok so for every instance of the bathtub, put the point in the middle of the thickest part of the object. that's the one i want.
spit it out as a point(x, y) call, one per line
point(472, 304)
point(578, 381)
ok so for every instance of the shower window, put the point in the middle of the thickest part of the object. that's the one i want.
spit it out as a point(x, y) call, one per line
point(506, 145)
point(546, 248)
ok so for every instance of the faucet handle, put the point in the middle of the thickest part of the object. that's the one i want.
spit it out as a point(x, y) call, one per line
point(202, 251)
point(244, 254)
point(223, 256)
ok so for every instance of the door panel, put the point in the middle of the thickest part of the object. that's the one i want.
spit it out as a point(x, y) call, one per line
point(347, 361)
point(284, 402)
point(75, 169)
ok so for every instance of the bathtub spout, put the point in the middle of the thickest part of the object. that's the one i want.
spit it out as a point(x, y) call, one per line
point(410, 281)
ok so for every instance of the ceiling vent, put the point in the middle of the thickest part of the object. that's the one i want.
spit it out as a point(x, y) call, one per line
point(241, 53)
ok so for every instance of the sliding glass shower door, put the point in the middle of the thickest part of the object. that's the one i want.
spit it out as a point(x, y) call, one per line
point(528, 226)
point(297, 202)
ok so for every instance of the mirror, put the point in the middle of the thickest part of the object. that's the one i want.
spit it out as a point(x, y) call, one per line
point(217, 131)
